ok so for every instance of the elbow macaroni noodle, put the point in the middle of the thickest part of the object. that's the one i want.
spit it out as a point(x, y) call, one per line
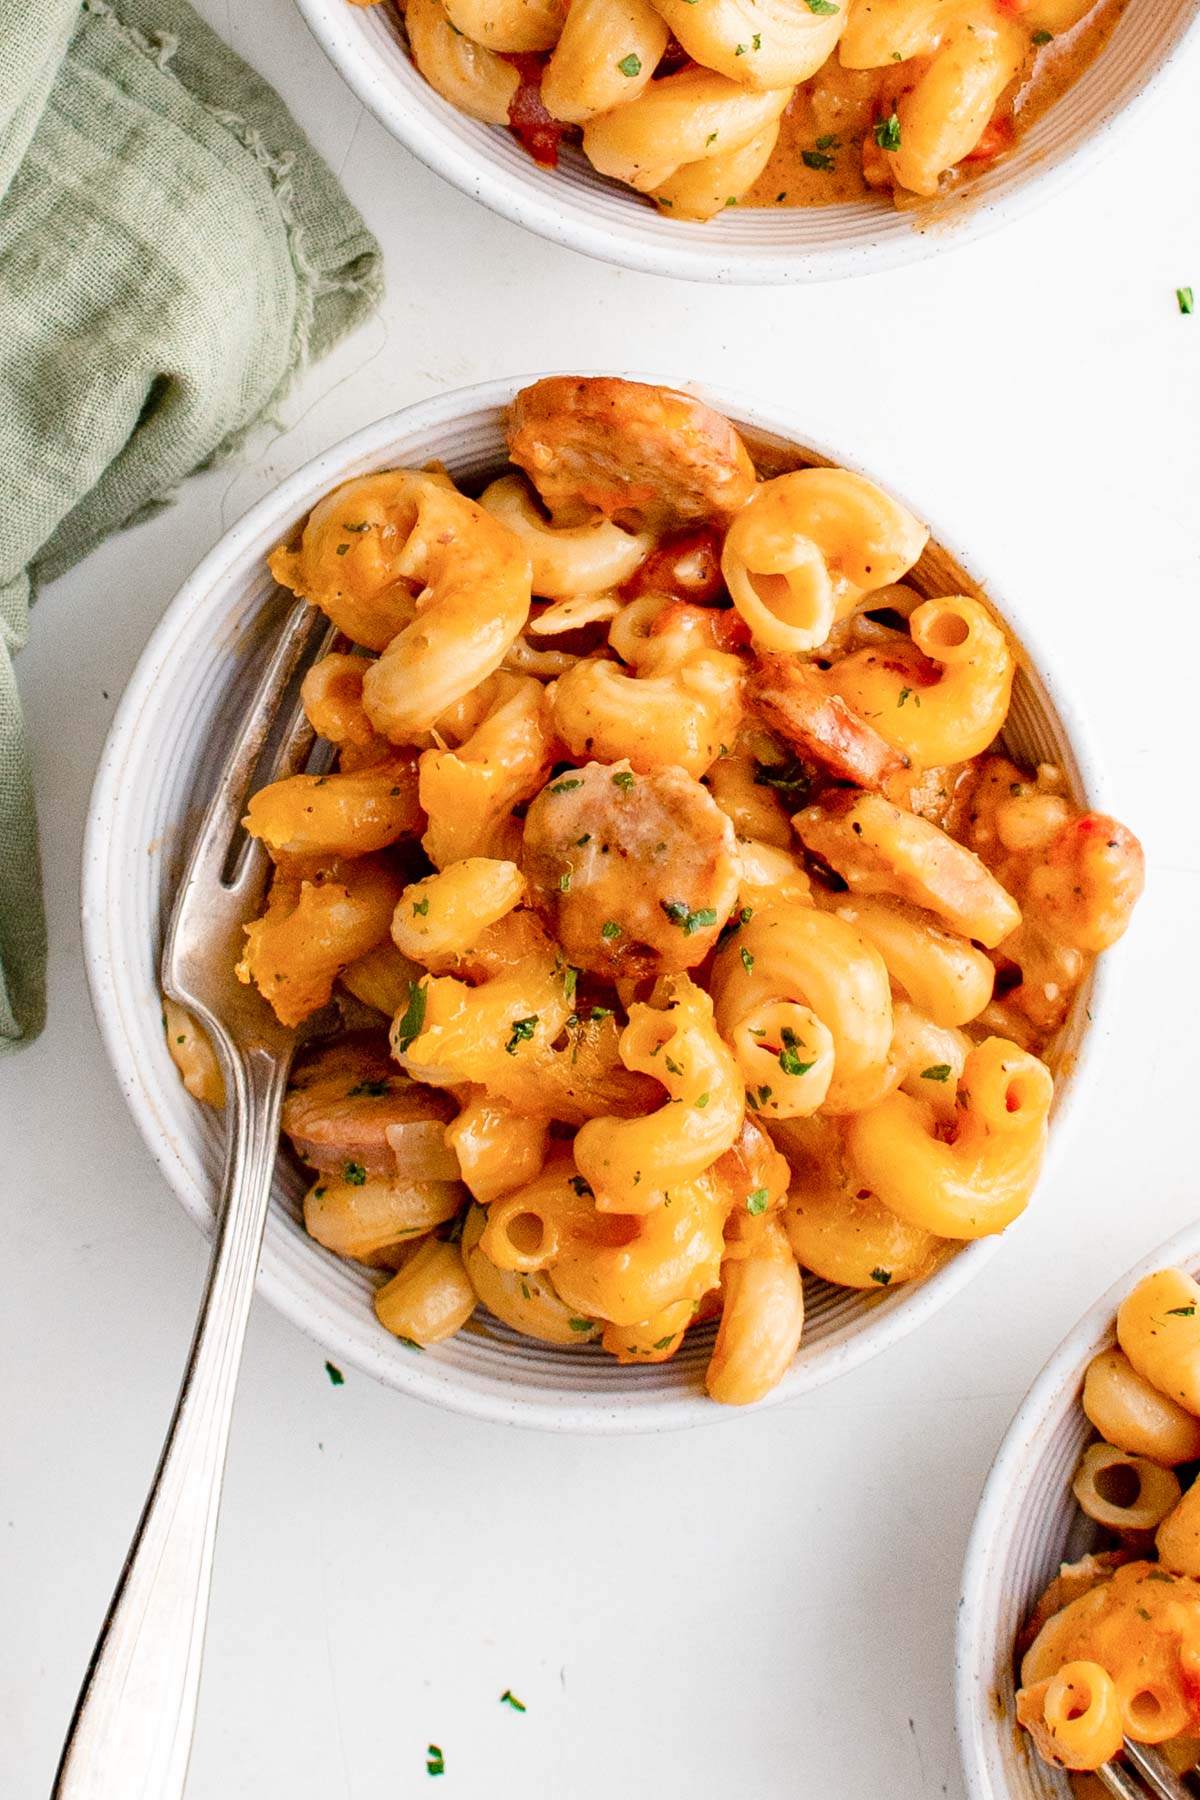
point(666, 983)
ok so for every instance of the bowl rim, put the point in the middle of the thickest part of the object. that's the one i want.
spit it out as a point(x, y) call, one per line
point(425, 135)
point(854, 1342)
point(1053, 1395)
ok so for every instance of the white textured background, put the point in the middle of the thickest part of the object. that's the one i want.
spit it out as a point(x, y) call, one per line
point(763, 1609)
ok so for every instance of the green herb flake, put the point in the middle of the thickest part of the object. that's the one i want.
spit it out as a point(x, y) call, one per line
point(1042, 37)
point(664, 1343)
point(1180, 1312)
point(342, 549)
point(710, 139)
point(939, 1072)
point(564, 882)
point(824, 9)
point(816, 159)
point(780, 198)
point(882, 1276)
point(673, 1067)
point(354, 1173)
point(740, 51)
point(336, 1378)
point(688, 920)
point(757, 1202)
point(570, 980)
point(610, 929)
point(435, 1762)
point(756, 41)
point(600, 1012)
point(887, 131)
point(522, 1031)
point(508, 1698)
point(413, 1022)
point(828, 142)
point(370, 1090)
point(764, 1094)
point(1142, 1613)
point(580, 1324)
point(421, 907)
point(564, 787)
point(703, 1100)
point(1186, 299)
point(790, 779)
point(319, 1192)
point(747, 961)
point(581, 1186)
point(585, 839)
point(630, 65)
point(789, 1061)
point(896, 56)
point(751, 1102)
point(624, 780)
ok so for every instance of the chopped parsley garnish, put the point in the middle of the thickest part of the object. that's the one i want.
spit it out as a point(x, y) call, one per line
point(570, 980)
point(522, 1031)
point(508, 1698)
point(435, 1762)
point(585, 839)
point(342, 549)
point(939, 1072)
point(421, 907)
point(1042, 37)
point(564, 787)
point(1186, 299)
point(816, 159)
point(600, 1012)
point(691, 921)
point(789, 1061)
point(756, 43)
point(790, 779)
point(365, 526)
point(1180, 1312)
point(564, 882)
point(703, 1100)
point(710, 139)
point(610, 929)
point(757, 1201)
point(630, 65)
point(663, 1343)
point(824, 9)
point(887, 131)
point(336, 1378)
point(882, 1276)
point(734, 923)
point(623, 779)
point(319, 1191)
point(747, 961)
point(673, 1067)
point(581, 1186)
point(740, 51)
point(413, 1022)
point(580, 1324)
point(372, 1090)
point(764, 1094)
point(751, 1102)
point(354, 1173)
point(828, 142)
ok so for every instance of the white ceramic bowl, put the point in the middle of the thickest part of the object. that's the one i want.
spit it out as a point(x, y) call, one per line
point(1027, 1524)
point(575, 206)
point(168, 737)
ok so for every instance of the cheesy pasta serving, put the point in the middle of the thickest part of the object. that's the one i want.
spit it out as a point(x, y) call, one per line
point(691, 930)
point(705, 104)
point(1113, 1648)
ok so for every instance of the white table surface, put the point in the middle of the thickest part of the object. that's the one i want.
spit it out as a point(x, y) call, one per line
point(764, 1608)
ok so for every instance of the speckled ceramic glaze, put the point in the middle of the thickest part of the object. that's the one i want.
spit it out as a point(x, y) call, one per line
point(168, 740)
point(574, 205)
point(1027, 1524)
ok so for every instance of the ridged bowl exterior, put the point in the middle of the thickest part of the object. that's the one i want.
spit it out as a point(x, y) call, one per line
point(167, 742)
point(574, 205)
point(1027, 1524)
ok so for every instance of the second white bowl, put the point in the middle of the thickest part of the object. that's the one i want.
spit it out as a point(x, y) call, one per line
point(574, 205)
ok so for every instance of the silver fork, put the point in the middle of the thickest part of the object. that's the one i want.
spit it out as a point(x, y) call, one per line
point(131, 1735)
point(1158, 1780)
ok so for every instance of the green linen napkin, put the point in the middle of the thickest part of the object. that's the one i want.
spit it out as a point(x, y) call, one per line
point(172, 252)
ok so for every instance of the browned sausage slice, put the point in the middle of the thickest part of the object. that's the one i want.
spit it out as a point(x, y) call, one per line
point(791, 699)
point(649, 457)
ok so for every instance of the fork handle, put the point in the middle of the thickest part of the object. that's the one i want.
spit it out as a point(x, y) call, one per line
point(131, 1735)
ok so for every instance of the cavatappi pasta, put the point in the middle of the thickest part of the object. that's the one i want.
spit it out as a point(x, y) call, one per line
point(706, 104)
point(1113, 1648)
point(693, 932)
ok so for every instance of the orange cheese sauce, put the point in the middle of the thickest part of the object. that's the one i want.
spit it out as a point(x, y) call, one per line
point(830, 118)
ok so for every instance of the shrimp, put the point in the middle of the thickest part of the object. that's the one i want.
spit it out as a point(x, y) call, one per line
point(634, 874)
point(648, 457)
